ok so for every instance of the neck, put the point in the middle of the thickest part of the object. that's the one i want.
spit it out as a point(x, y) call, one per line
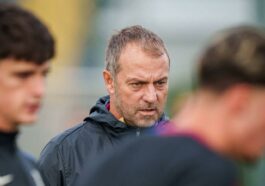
point(113, 109)
point(7, 127)
point(201, 117)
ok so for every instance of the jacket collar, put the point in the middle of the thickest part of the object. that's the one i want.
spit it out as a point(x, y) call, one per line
point(100, 114)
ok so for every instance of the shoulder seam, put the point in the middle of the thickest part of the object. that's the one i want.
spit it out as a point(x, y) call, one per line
point(70, 133)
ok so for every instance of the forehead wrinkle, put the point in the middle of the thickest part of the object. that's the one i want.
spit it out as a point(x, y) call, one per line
point(136, 64)
point(145, 65)
point(135, 52)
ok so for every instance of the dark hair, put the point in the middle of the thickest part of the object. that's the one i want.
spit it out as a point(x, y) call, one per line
point(150, 42)
point(23, 36)
point(236, 55)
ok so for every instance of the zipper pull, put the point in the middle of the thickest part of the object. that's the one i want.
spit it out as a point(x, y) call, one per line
point(138, 132)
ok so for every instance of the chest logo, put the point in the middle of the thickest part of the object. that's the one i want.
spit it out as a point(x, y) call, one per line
point(4, 180)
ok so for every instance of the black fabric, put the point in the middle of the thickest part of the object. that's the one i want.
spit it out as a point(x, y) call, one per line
point(160, 161)
point(16, 167)
point(63, 157)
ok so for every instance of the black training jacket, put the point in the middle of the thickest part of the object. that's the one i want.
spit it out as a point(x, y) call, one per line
point(63, 157)
point(180, 160)
point(16, 168)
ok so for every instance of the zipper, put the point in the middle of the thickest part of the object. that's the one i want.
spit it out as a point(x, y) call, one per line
point(138, 132)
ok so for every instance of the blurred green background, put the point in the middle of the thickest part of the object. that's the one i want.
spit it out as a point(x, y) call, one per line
point(82, 29)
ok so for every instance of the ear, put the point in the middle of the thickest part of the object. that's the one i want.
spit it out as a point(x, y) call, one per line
point(237, 99)
point(109, 81)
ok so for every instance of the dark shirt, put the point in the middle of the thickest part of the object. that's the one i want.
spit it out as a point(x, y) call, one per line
point(180, 160)
point(16, 168)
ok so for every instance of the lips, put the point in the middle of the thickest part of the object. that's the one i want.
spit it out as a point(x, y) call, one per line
point(33, 108)
point(151, 111)
point(148, 109)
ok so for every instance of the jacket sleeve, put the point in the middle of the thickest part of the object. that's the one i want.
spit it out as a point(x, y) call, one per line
point(51, 165)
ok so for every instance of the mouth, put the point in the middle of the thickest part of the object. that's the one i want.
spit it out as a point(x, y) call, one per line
point(33, 108)
point(151, 111)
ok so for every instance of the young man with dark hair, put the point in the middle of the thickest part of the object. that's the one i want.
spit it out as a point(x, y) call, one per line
point(26, 46)
point(223, 121)
point(136, 77)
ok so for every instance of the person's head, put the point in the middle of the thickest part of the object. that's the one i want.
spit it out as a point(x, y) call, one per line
point(136, 76)
point(25, 50)
point(232, 68)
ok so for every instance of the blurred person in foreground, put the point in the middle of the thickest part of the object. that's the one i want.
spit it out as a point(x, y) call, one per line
point(223, 121)
point(26, 46)
point(136, 77)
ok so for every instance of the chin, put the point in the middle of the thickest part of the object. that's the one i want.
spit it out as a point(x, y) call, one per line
point(27, 120)
point(146, 123)
point(251, 159)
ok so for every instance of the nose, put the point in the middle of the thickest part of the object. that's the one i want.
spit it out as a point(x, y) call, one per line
point(38, 87)
point(150, 94)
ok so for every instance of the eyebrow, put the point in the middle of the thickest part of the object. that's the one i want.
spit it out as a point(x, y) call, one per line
point(162, 79)
point(30, 70)
point(143, 81)
point(19, 71)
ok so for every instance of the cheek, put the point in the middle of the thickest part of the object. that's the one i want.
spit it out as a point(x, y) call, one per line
point(7, 97)
point(254, 141)
point(10, 104)
point(129, 95)
point(249, 134)
point(257, 123)
point(162, 96)
point(125, 97)
point(10, 92)
point(258, 134)
point(255, 145)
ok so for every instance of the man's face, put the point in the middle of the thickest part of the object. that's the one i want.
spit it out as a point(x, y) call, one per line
point(21, 91)
point(250, 134)
point(140, 87)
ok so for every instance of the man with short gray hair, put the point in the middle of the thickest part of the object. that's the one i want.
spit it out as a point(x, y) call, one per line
point(136, 78)
point(223, 121)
